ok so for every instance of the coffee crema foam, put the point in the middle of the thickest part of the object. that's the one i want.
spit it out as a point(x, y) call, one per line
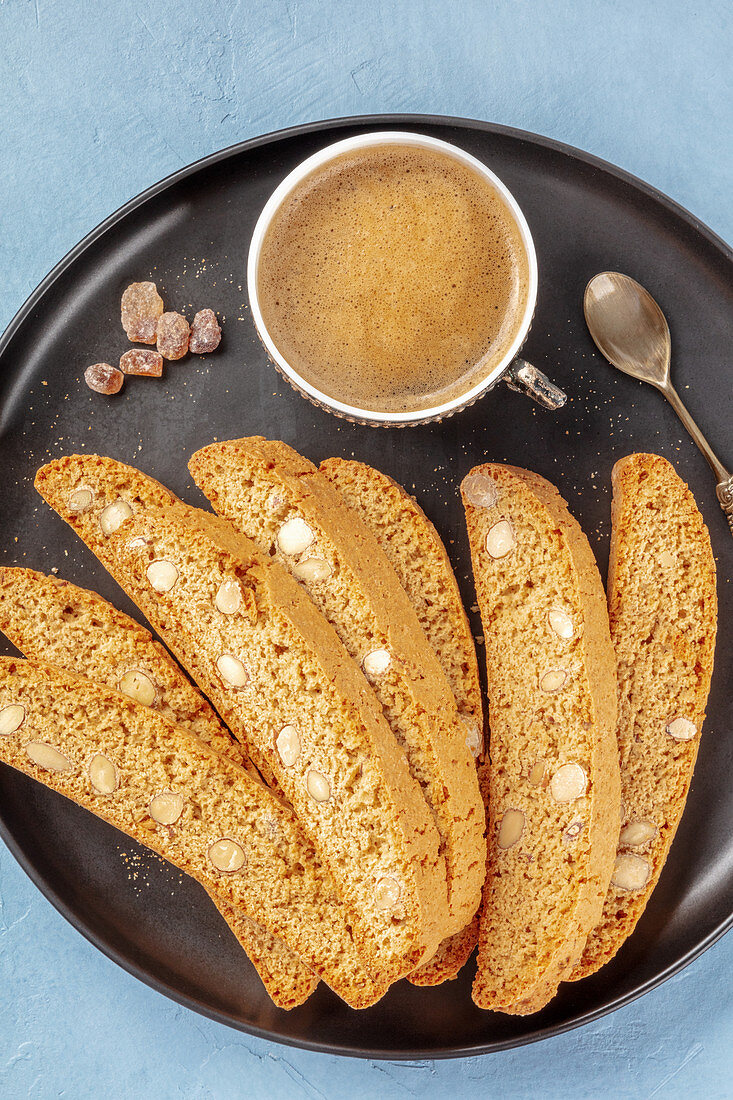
point(393, 278)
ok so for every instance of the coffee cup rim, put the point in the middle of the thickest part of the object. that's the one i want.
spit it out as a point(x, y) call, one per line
point(318, 160)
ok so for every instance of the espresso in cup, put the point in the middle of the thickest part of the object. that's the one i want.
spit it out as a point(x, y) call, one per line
point(393, 278)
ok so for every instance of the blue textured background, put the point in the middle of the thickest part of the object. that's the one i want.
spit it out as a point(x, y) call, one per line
point(98, 99)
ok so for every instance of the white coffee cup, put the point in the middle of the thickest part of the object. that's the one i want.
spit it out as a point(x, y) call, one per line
point(517, 373)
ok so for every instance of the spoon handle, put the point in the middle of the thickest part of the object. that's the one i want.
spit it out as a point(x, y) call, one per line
point(724, 487)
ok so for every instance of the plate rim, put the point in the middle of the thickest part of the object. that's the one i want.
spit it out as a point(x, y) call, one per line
point(15, 323)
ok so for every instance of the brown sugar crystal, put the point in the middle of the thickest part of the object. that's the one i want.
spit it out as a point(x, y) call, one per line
point(173, 335)
point(142, 361)
point(104, 378)
point(142, 306)
point(205, 333)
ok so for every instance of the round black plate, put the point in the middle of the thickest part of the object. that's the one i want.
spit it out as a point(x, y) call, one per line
point(191, 233)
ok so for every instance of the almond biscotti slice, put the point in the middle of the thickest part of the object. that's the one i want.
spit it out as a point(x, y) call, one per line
point(49, 619)
point(198, 809)
point(416, 553)
point(295, 516)
point(663, 611)
point(419, 558)
point(554, 776)
point(281, 680)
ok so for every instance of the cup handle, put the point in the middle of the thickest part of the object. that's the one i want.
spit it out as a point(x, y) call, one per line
point(524, 378)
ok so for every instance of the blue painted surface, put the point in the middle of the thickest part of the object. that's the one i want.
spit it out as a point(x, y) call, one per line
point(100, 99)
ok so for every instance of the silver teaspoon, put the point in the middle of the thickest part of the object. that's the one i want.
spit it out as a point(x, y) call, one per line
point(631, 331)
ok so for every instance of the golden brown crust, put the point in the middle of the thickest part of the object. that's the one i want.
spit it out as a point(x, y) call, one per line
point(450, 958)
point(187, 620)
point(50, 619)
point(419, 558)
point(278, 883)
point(363, 599)
point(545, 889)
point(288, 981)
point(663, 612)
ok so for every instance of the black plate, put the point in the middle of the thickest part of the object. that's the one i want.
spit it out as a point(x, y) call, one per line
point(191, 233)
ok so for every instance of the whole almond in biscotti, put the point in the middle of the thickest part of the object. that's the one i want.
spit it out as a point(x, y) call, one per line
point(420, 560)
point(179, 797)
point(663, 611)
point(554, 778)
point(294, 515)
point(47, 618)
point(282, 665)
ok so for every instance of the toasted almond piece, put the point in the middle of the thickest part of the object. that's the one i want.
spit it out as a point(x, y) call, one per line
point(318, 786)
point(573, 831)
point(11, 718)
point(681, 729)
point(636, 833)
point(553, 680)
point(312, 570)
point(377, 662)
point(561, 623)
point(232, 670)
point(568, 783)
point(229, 597)
point(166, 807)
point(80, 499)
point(536, 773)
point(138, 543)
point(138, 686)
point(102, 774)
point(227, 855)
point(500, 539)
point(294, 537)
point(48, 757)
point(480, 490)
point(631, 872)
point(474, 736)
point(113, 516)
point(162, 575)
point(386, 892)
point(287, 744)
point(510, 829)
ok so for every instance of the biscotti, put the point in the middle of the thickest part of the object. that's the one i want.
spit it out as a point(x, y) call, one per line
point(419, 558)
point(288, 981)
point(168, 790)
point(554, 787)
point(663, 611)
point(416, 553)
point(279, 677)
point(296, 517)
point(51, 620)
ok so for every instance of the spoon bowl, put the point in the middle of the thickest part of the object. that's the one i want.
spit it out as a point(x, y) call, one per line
point(628, 327)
